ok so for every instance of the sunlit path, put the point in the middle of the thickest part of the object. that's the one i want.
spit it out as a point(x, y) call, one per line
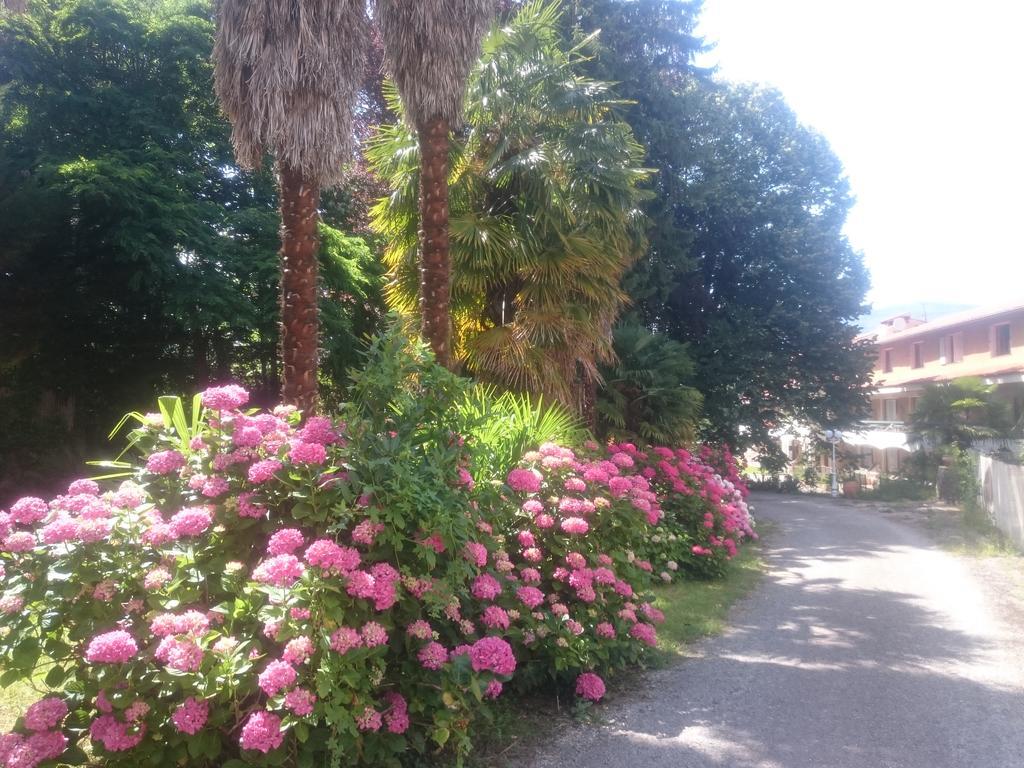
point(865, 646)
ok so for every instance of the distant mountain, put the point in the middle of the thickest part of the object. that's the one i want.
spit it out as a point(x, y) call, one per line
point(926, 311)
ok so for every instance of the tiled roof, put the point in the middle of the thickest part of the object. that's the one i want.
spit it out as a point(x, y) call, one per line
point(942, 323)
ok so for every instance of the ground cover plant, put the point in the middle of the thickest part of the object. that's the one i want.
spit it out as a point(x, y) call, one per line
point(262, 589)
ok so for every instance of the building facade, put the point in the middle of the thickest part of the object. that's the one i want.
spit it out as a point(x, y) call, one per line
point(987, 343)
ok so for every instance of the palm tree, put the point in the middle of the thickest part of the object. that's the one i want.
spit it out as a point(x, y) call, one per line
point(647, 394)
point(286, 73)
point(544, 216)
point(429, 48)
point(958, 413)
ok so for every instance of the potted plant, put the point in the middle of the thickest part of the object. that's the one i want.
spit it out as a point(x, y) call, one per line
point(851, 484)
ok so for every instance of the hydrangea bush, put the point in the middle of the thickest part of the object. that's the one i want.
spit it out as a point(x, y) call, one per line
point(266, 590)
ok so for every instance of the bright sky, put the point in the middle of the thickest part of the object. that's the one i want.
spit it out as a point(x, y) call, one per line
point(922, 101)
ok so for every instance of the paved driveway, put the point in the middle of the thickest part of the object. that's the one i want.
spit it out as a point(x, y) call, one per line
point(864, 646)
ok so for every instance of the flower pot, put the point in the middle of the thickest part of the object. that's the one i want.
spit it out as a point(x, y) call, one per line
point(851, 488)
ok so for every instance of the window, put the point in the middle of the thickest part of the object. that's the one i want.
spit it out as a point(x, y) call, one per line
point(951, 348)
point(919, 354)
point(1001, 340)
point(913, 404)
point(890, 410)
point(886, 361)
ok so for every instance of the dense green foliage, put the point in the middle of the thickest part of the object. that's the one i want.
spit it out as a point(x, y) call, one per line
point(269, 590)
point(134, 257)
point(958, 412)
point(647, 394)
point(747, 260)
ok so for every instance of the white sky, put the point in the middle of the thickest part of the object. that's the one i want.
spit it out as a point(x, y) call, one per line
point(923, 101)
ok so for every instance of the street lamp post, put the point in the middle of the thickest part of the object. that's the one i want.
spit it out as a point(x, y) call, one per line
point(834, 436)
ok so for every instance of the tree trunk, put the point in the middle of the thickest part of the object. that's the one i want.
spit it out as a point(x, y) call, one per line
point(435, 260)
point(299, 199)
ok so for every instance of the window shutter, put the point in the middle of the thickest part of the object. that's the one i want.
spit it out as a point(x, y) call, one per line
point(943, 352)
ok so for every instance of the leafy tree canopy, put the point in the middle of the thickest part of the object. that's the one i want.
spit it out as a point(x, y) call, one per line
point(134, 257)
point(747, 259)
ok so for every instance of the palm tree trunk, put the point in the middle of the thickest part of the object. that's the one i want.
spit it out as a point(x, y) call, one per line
point(299, 198)
point(435, 263)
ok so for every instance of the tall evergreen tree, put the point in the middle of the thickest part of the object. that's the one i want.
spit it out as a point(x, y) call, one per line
point(747, 261)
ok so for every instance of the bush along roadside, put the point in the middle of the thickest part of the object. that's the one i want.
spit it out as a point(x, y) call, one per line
point(268, 591)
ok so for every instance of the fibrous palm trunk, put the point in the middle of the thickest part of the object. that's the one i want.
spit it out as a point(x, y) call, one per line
point(435, 264)
point(299, 199)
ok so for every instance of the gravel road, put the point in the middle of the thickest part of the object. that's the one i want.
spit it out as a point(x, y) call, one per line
point(864, 647)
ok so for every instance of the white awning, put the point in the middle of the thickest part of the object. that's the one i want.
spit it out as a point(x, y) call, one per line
point(878, 438)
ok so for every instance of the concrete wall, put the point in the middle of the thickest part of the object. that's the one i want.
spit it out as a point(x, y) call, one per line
point(1002, 492)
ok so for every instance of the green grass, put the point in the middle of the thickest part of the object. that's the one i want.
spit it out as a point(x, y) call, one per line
point(14, 700)
point(697, 609)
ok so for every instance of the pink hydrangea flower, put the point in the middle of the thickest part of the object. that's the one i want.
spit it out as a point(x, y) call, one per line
point(605, 630)
point(279, 571)
point(369, 720)
point(226, 398)
point(495, 617)
point(114, 647)
point(344, 639)
point(319, 430)
point(298, 650)
point(11, 604)
point(544, 521)
point(45, 714)
point(285, 541)
point(332, 558)
point(307, 453)
point(373, 634)
point(524, 480)
point(39, 747)
point(530, 575)
point(114, 735)
point(264, 470)
point(19, 541)
point(262, 732)
point(397, 714)
point(433, 656)
point(476, 553)
point(29, 510)
point(191, 716)
point(533, 555)
point(575, 525)
point(492, 654)
point(299, 702)
point(156, 578)
point(59, 530)
point(590, 686)
point(485, 587)
point(493, 689)
point(191, 521)
point(366, 531)
point(644, 633)
point(532, 506)
point(182, 655)
point(420, 629)
point(277, 676)
point(246, 507)
point(165, 462)
point(531, 597)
